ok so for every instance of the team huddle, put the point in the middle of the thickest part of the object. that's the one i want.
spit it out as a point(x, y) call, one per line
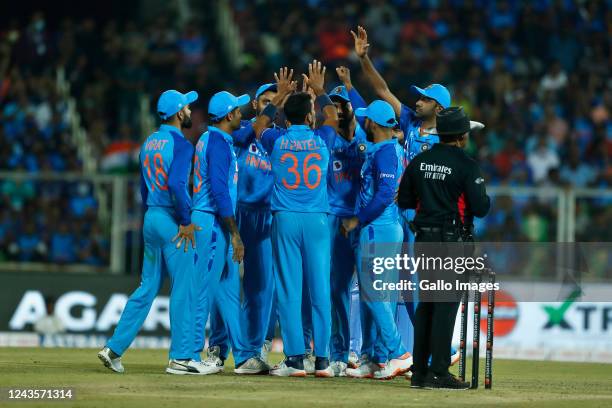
point(295, 194)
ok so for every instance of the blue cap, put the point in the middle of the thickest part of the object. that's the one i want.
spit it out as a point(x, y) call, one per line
point(340, 92)
point(224, 102)
point(265, 88)
point(437, 92)
point(380, 112)
point(173, 101)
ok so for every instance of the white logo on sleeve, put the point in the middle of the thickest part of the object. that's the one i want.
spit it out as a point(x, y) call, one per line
point(479, 180)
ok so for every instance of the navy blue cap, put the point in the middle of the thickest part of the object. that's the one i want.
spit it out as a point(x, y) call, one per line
point(340, 92)
point(224, 102)
point(380, 112)
point(265, 88)
point(437, 92)
point(173, 101)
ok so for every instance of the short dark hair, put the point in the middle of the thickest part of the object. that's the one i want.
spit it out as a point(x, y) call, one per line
point(297, 106)
point(168, 119)
point(214, 119)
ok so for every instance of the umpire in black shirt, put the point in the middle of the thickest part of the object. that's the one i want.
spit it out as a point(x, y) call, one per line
point(446, 188)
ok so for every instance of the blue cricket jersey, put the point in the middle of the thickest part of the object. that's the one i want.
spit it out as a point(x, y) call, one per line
point(343, 176)
point(256, 179)
point(414, 142)
point(380, 176)
point(165, 165)
point(215, 178)
point(300, 160)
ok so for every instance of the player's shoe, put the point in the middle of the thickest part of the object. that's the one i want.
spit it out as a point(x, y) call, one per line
point(455, 355)
point(353, 360)
point(417, 380)
point(289, 367)
point(366, 368)
point(446, 382)
point(213, 358)
point(111, 360)
point(339, 368)
point(394, 367)
point(190, 367)
point(322, 368)
point(265, 351)
point(253, 366)
point(309, 363)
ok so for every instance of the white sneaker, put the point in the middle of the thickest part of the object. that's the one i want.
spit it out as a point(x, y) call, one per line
point(213, 358)
point(366, 369)
point(265, 350)
point(353, 360)
point(191, 367)
point(253, 365)
point(325, 373)
point(339, 368)
point(282, 370)
point(309, 363)
point(394, 367)
point(113, 363)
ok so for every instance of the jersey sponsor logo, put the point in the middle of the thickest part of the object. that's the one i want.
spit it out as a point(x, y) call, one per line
point(337, 165)
point(479, 180)
point(253, 148)
point(435, 167)
point(386, 175)
point(424, 147)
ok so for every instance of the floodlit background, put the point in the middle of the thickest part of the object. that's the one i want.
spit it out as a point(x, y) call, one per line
point(78, 87)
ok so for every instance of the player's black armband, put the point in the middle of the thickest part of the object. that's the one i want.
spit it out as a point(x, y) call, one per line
point(323, 101)
point(270, 111)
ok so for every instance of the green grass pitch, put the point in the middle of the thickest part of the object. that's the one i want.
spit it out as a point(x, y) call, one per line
point(516, 383)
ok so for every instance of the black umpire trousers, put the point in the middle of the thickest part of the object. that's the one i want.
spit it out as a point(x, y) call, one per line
point(436, 312)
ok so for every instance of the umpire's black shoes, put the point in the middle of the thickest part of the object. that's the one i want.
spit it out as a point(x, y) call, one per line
point(445, 382)
point(417, 380)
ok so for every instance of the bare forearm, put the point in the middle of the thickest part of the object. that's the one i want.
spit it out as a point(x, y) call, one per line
point(378, 83)
point(230, 225)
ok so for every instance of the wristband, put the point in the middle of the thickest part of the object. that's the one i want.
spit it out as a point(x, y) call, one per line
point(270, 111)
point(323, 101)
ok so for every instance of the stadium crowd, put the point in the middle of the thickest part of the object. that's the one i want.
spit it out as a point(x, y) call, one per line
point(536, 73)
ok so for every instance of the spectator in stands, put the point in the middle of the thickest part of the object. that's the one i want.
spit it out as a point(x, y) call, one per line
point(542, 159)
point(577, 174)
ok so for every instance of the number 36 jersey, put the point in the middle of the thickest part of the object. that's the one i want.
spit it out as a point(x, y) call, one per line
point(300, 158)
point(165, 165)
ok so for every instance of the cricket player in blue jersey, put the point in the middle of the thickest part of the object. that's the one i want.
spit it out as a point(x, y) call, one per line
point(219, 243)
point(380, 236)
point(300, 231)
point(343, 182)
point(165, 163)
point(254, 220)
point(418, 127)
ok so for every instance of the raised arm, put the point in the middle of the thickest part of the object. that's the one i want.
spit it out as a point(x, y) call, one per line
point(316, 81)
point(284, 87)
point(376, 81)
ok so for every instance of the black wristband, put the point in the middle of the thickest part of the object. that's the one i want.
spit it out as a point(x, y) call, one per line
point(323, 101)
point(270, 111)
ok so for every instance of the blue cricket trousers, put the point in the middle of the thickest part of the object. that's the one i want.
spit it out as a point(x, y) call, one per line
point(300, 248)
point(218, 282)
point(343, 256)
point(161, 257)
point(381, 338)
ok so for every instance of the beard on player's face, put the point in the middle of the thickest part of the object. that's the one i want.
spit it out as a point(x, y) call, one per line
point(345, 117)
point(186, 122)
point(368, 130)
